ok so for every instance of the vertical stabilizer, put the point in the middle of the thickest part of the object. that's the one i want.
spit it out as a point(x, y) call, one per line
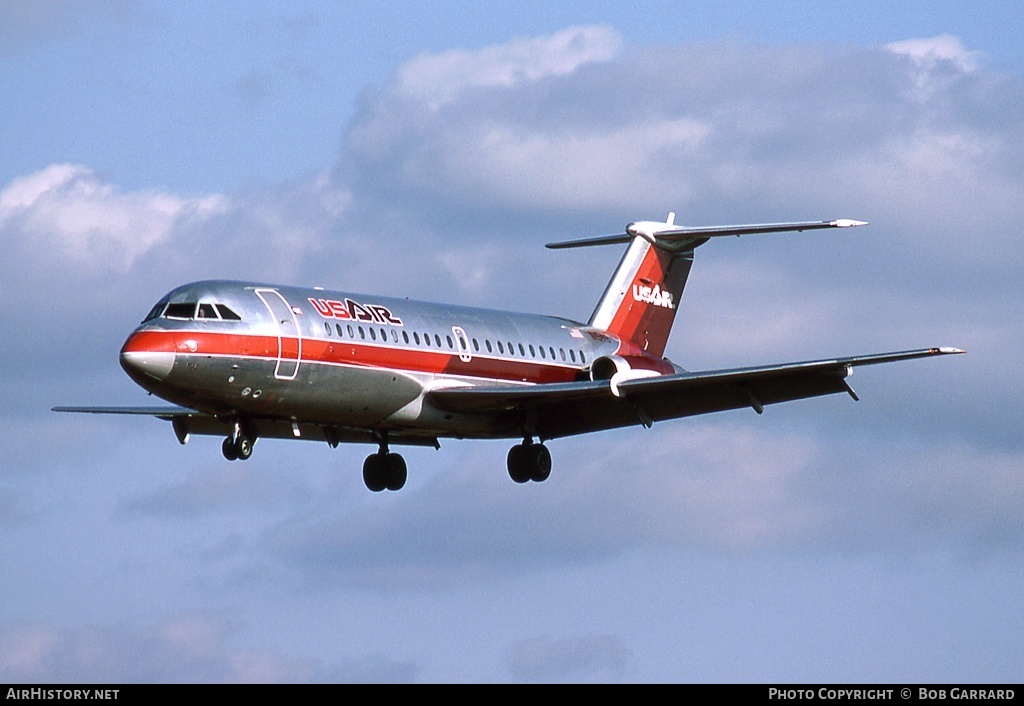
point(639, 304)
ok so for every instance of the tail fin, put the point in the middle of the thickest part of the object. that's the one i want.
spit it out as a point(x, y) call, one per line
point(639, 304)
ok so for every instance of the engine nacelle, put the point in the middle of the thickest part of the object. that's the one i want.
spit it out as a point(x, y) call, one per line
point(618, 369)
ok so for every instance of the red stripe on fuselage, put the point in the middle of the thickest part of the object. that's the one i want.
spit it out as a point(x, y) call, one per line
point(347, 352)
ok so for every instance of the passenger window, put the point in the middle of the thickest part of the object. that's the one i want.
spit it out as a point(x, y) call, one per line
point(437, 340)
point(583, 358)
point(572, 355)
point(416, 337)
point(476, 345)
point(362, 333)
point(522, 351)
point(552, 352)
point(487, 342)
point(533, 353)
point(327, 328)
point(405, 336)
point(562, 351)
point(501, 348)
point(449, 339)
point(542, 354)
point(351, 333)
point(373, 335)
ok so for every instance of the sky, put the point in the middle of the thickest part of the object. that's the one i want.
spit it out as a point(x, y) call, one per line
point(429, 150)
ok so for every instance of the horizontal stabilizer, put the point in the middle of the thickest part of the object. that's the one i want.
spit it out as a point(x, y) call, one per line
point(668, 233)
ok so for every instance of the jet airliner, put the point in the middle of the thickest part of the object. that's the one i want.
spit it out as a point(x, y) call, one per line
point(246, 361)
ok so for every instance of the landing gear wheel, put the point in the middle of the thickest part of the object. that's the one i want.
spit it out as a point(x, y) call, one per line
point(518, 464)
point(229, 450)
point(243, 447)
point(541, 463)
point(237, 449)
point(396, 471)
point(384, 471)
point(528, 462)
point(373, 473)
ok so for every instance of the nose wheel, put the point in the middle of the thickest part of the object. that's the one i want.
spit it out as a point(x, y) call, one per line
point(529, 461)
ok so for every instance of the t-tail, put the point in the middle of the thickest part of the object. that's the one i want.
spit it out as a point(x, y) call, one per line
point(640, 303)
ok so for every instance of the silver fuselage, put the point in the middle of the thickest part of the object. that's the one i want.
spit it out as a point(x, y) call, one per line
point(318, 363)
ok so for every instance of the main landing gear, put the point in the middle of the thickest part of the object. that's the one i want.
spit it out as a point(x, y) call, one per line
point(238, 446)
point(384, 470)
point(529, 461)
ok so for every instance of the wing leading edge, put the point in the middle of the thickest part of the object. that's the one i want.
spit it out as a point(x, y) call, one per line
point(566, 409)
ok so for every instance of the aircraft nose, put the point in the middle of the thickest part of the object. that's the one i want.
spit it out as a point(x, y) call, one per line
point(146, 354)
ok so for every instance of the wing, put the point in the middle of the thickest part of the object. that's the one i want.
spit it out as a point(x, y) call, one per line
point(187, 421)
point(565, 409)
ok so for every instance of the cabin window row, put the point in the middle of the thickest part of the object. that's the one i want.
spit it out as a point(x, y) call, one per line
point(435, 341)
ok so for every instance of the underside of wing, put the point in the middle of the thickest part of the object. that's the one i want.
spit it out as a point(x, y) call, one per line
point(566, 409)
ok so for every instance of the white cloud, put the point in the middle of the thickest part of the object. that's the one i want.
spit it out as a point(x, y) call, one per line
point(716, 130)
point(931, 51)
point(67, 210)
point(438, 79)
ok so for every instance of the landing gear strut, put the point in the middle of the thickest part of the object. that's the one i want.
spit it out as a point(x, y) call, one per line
point(529, 461)
point(238, 446)
point(384, 470)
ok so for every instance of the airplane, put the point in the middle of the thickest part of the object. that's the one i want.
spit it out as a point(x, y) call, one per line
point(246, 361)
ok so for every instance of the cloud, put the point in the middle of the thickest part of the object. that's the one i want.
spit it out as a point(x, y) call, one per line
point(66, 210)
point(710, 130)
point(930, 52)
point(435, 80)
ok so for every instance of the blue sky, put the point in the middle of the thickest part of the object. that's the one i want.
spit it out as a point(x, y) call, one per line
point(429, 150)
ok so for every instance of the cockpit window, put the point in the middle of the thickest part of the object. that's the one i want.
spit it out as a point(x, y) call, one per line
point(155, 312)
point(185, 310)
point(227, 314)
point(190, 310)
